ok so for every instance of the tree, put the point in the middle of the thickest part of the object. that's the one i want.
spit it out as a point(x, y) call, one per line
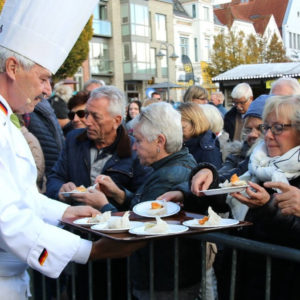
point(275, 51)
point(233, 49)
point(78, 54)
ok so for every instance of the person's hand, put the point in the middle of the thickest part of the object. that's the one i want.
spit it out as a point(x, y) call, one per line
point(67, 187)
point(289, 198)
point(257, 196)
point(201, 181)
point(109, 188)
point(80, 212)
point(108, 248)
point(93, 198)
point(174, 196)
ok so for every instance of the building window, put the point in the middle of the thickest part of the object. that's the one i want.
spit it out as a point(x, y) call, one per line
point(194, 13)
point(99, 57)
point(298, 41)
point(206, 49)
point(294, 41)
point(196, 49)
point(140, 58)
point(290, 40)
point(152, 61)
point(184, 46)
point(160, 26)
point(139, 19)
point(206, 13)
point(164, 64)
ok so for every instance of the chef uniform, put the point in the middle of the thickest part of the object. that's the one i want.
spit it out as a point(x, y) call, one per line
point(43, 31)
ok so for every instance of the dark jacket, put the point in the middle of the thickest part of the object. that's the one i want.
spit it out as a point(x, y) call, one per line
point(168, 172)
point(229, 121)
point(74, 164)
point(205, 148)
point(235, 163)
point(269, 226)
point(45, 127)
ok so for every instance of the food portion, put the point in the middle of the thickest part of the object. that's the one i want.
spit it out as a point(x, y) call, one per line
point(234, 181)
point(159, 227)
point(213, 219)
point(119, 222)
point(81, 189)
point(157, 209)
point(100, 218)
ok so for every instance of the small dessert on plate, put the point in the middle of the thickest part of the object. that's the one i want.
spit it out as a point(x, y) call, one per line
point(157, 209)
point(159, 227)
point(212, 219)
point(81, 189)
point(100, 218)
point(234, 181)
point(119, 222)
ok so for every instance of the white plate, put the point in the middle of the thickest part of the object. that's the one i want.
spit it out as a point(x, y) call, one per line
point(84, 221)
point(226, 190)
point(69, 194)
point(103, 227)
point(224, 223)
point(143, 208)
point(173, 229)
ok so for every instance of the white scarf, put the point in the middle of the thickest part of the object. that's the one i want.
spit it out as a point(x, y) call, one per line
point(263, 168)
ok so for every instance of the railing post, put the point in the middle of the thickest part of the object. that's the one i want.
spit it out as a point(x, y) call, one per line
point(203, 270)
point(176, 268)
point(128, 279)
point(151, 269)
point(268, 277)
point(233, 275)
point(108, 262)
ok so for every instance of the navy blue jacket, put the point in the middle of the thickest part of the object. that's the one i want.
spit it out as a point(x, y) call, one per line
point(74, 165)
point(45, 127)
point(205, 148)
point(229, 121)
point(167, 173)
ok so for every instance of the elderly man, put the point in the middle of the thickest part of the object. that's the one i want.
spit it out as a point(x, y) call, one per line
point(242, 96)
point(29, 53)
point(104, 147)
point(217, 99)
point(285, 86)
point(92, 84)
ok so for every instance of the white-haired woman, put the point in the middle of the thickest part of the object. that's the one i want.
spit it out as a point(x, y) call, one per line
point(158, 135)
point(275, 159)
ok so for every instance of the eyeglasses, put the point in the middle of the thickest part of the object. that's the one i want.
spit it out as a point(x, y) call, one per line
point(235, 103)
point(79, 113)
point(248, 130)
point(276, 129)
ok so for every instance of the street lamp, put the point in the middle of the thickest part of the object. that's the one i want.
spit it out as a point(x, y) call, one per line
point(173, 56)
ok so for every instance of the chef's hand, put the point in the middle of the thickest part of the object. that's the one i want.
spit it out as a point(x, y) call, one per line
point(174, 196)
point(257, 195)
point(67, 187)
point(80, 211)
point(201, 181)
point(108, 248)
point(109, 188)
point(289, 198)
point(93, 197)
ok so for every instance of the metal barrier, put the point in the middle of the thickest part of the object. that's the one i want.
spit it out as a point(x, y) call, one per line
point(234, 242)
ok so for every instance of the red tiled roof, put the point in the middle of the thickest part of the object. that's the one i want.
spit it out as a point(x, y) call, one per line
point(244, 11)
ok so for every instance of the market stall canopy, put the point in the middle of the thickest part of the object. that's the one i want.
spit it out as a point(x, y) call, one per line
point(164, 85)
point(254, 71)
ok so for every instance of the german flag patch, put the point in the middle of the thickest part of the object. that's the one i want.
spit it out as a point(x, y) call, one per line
point(3, 108)
point(43, 256)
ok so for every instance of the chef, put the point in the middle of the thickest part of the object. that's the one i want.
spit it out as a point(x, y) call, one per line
point(35, 38)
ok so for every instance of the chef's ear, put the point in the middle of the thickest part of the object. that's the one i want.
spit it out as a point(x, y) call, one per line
point(12, 67)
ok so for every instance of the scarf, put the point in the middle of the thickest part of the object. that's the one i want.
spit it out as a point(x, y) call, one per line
point(263, 168)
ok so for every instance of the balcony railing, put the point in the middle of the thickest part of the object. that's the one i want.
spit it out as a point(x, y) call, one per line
point(101, 67)
point(102, 28)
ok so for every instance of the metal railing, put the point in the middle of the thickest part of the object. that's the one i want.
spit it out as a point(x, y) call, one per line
point(235, 243)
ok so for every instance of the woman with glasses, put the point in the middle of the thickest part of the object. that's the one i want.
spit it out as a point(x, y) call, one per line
point(76, 115)
point(196, 94)
point(275, 159)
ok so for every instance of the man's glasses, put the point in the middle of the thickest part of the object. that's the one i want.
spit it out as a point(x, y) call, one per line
point(236, 103)
point(276, 129)
point(79, 113)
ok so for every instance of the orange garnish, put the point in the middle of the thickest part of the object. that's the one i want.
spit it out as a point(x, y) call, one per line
point(234, 178)
point(156, 205)
point(81, 189)
point(203, 220)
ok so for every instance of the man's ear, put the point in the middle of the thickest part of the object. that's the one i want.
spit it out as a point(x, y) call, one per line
point(118, 120)
point(11, 67)
point(161, 140)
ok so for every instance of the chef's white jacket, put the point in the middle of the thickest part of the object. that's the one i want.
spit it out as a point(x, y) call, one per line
point(28, 219)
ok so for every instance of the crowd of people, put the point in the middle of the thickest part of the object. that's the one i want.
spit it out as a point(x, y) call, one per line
point(53, 142)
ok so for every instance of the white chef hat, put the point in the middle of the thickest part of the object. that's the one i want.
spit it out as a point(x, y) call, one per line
point(44, 30)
